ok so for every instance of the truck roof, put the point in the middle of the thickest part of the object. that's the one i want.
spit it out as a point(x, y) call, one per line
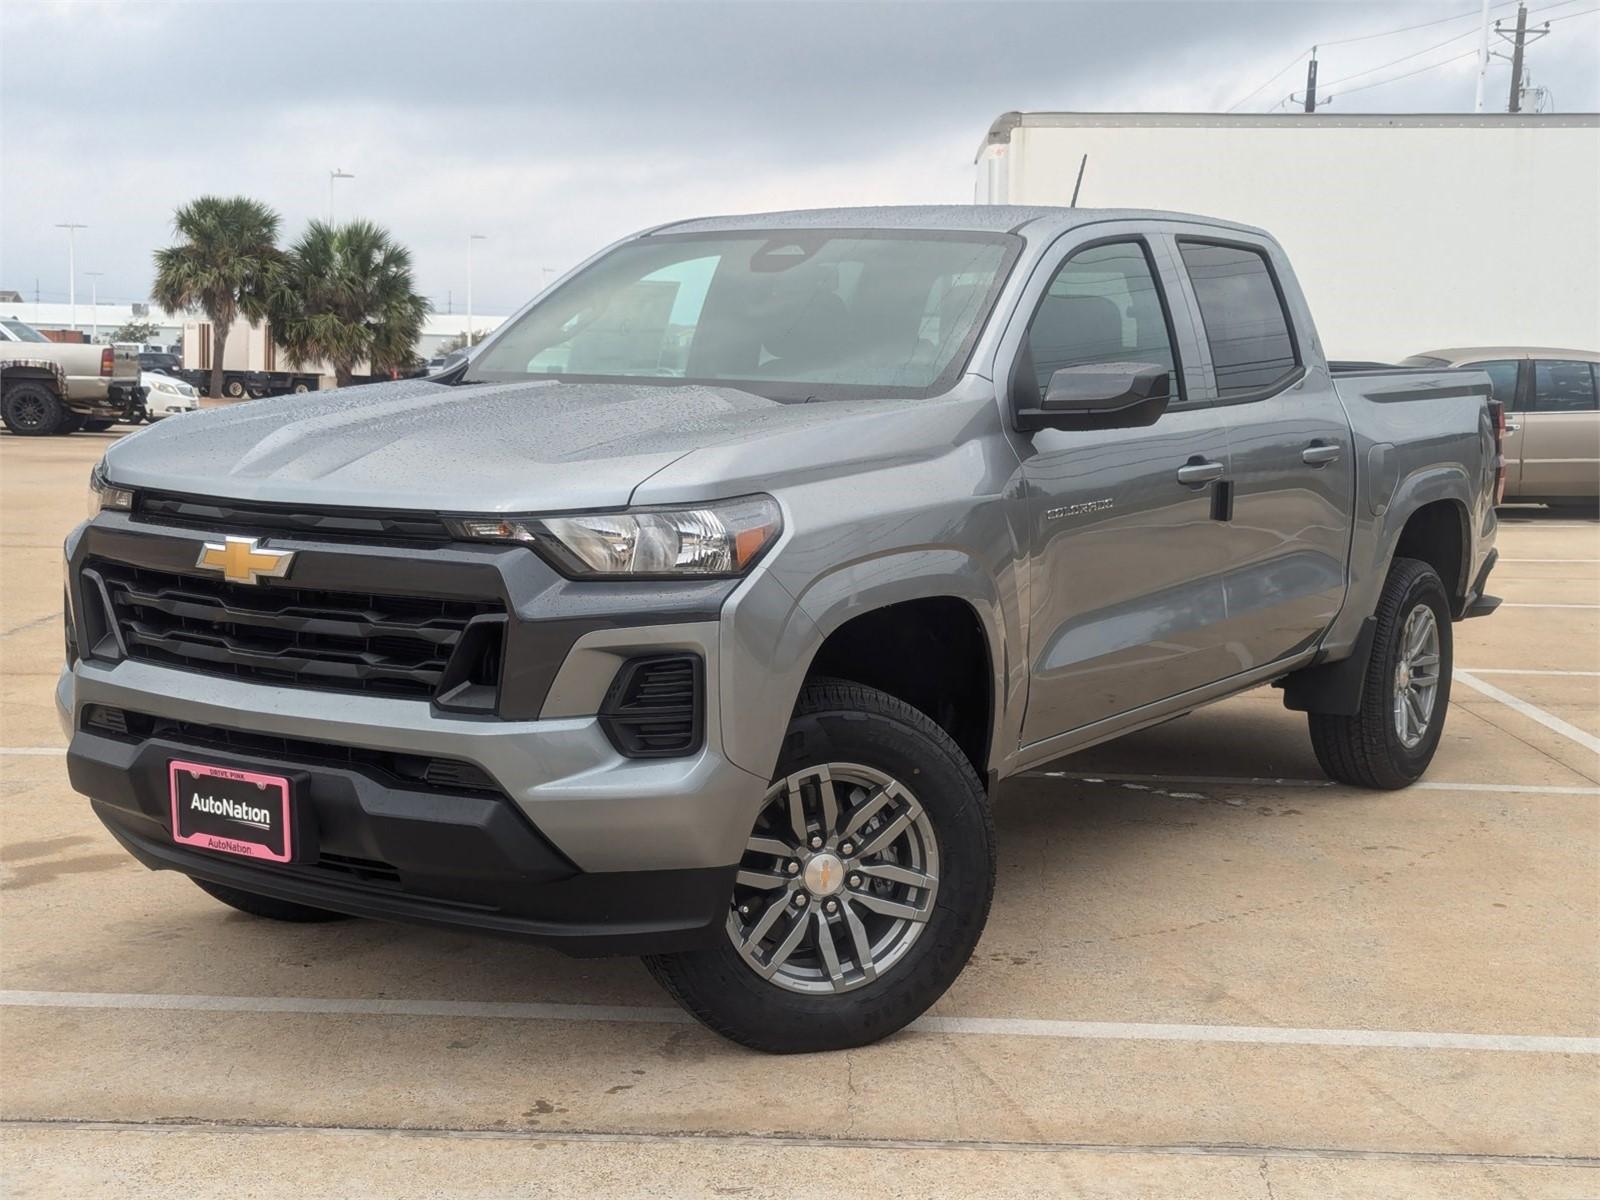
point(963, 218)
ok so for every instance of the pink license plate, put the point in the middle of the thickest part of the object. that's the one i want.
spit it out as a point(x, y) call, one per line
point(234, 812)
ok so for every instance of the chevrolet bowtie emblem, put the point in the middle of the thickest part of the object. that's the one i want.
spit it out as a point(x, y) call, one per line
point(241, 560)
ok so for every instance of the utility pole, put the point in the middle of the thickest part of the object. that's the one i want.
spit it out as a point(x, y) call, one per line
point(1483, 56)
point(471, 237)
point(1311, 82)
point(1519, 42)
point(94, 302)
point(72, 228)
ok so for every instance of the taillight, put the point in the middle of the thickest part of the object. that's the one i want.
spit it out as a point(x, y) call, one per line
point(108, 359)
point(1497, 418)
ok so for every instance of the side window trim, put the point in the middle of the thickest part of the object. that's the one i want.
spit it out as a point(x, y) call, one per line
point(1289, 378)
point(1049, 268)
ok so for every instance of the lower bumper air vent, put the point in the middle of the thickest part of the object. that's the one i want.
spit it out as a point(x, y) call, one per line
point(655, 707)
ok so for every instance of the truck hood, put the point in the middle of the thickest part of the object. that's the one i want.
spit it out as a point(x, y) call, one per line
point(415, 444)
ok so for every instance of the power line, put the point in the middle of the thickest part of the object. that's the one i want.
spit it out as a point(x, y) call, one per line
point(1404, 57)
point(1419, 71)
point(1367, 37)
point(1292, 62)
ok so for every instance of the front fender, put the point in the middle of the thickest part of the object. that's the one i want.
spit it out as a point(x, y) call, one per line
point(771, 635)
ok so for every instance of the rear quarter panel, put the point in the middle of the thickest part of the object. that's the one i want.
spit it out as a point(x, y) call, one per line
point(1420, 436)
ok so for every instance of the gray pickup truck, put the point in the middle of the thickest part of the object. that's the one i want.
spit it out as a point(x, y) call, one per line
point(700, 612)
point(61, 387)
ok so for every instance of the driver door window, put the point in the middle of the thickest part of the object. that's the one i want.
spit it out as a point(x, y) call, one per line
point(1103, 306)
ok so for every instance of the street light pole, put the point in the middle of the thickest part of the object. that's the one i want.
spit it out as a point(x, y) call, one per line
point(471, 237)
point(94, 302)
point(72, 228)
point(334, 174)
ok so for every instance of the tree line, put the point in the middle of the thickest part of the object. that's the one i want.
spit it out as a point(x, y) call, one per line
point(342, 294)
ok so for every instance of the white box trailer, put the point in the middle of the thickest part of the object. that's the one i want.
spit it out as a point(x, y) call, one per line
point(1407, 232)
point(252, 362)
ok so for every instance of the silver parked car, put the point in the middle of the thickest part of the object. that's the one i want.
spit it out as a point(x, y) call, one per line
point(1552, 400)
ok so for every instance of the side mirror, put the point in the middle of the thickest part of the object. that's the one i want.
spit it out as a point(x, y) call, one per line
point(1101, 396)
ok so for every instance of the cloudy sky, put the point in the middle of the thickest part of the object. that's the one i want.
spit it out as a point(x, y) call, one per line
point(553, 128)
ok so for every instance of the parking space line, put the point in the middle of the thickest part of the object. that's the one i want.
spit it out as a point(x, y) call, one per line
point(1509, 604)
point(1138, 1031)
point(1521, 671)
point(1551, 560)
point(33, 750)
point(799, 1141)
point(1426, 785)
point(1550, 721)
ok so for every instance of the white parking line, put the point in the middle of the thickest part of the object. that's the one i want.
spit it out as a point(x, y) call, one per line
point(1551, 722)
point(1508, 604)
point(33, 750)
point(1551, 560)
point(1426, 785)
point(1520, 671)
point(1383, 1039)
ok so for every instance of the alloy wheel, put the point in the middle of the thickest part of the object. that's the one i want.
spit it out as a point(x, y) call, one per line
point(837, 881)
point(1416, 676)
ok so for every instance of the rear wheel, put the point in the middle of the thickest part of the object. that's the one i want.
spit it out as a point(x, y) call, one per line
point(864, 886)
point(234, 389)
point(30, 409)
point(1392, 739)
point(267, 906)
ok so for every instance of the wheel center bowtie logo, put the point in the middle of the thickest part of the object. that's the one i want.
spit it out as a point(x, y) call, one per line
point(242, 560)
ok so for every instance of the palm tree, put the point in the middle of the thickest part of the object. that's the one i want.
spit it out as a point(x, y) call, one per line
point(345, 296)
point(223, 267)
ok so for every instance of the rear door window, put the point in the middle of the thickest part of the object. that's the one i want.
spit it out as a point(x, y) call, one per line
point(1502, 378)
point(1246, 325)
point(1563, 387)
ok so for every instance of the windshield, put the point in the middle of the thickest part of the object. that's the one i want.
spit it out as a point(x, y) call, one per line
point(23, 332)
point(791, 314)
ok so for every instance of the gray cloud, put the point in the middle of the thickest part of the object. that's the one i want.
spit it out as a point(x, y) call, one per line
point(555, 127)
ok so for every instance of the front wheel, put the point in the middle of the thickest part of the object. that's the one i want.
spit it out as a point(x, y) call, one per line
point(1392, 739)
point(864, 885)
point(30, 409)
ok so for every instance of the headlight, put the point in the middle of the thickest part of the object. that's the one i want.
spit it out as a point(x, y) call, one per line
point(169, 388)
point(103, 495)
point(723, 539)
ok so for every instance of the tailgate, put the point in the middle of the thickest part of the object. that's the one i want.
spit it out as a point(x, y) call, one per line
point(125, 364)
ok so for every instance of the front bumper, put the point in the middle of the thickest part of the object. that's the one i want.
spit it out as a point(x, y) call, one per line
point(377, 846)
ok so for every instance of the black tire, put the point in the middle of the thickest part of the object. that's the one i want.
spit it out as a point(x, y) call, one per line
point(841, 722)
point(234, 389)
point(30, 409)
point(99, 425)
point(71, 422)
point(267, 906)
point(1366, 750)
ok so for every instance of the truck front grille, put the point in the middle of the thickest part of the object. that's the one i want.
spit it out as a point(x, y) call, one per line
point(348, 641)
point(255, 517)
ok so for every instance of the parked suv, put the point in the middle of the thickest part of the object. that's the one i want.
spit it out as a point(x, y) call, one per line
point(1552, 398)
point(699, 614)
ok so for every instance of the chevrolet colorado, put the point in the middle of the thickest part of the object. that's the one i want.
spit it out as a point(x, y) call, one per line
point(700, 611)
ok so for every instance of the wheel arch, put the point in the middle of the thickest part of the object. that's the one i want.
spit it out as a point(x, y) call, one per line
point(924, 626)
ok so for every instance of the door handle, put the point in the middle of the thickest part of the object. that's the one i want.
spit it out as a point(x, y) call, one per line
point(1197, 472)
point(1319, 454)
point(1513, 426)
